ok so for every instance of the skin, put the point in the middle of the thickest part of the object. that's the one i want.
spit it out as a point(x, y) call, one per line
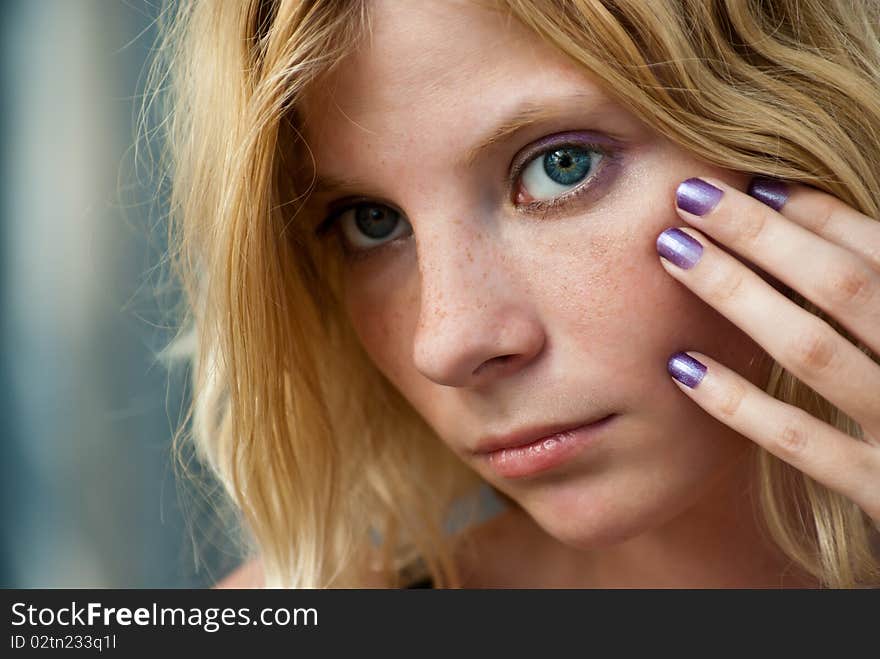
point(489, 318)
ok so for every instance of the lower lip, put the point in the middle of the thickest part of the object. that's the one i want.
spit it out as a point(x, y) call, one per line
point(545, 453)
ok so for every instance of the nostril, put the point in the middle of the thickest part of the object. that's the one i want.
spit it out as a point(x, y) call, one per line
point(495, 362)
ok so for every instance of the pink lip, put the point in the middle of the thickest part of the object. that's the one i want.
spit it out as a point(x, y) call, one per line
point(522, 454)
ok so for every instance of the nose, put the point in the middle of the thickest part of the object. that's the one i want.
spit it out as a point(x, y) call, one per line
point(475, 324)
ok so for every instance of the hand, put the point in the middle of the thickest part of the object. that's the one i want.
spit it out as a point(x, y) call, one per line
point(828, 252)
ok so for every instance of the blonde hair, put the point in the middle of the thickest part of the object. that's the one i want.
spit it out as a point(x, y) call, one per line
point(331, 469)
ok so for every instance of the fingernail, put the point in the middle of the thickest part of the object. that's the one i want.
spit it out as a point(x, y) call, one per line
point(686, 369)
point(678, 247)
point(697, 196)
point(771, 191)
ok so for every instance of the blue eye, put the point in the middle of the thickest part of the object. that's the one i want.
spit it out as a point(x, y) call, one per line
point(547, 177)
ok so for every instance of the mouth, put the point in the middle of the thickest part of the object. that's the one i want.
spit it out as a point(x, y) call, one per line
point(534, 450)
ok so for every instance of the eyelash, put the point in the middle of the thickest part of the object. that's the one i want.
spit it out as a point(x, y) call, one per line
point(539, 207)
point(543, 207)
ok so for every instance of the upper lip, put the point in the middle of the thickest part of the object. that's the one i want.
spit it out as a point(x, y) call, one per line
point(525, 436)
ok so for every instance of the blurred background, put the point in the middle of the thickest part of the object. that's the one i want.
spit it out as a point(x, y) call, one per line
point(87, 412)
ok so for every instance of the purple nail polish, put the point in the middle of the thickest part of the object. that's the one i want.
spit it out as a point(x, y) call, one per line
point(771, 191)
point(680, 248)
point(686, 369)
point(697, 196)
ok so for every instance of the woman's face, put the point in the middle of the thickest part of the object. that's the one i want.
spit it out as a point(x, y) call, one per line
point(491, 315)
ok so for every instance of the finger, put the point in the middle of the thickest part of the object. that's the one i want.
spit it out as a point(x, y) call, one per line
point(823, 214)
point(803, 343)
point(821, 451)
point(839, 281)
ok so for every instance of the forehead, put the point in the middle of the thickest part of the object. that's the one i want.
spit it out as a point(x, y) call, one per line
point(435, 71)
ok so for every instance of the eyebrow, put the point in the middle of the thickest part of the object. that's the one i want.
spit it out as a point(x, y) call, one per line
point(523, 115)
point(526, 114)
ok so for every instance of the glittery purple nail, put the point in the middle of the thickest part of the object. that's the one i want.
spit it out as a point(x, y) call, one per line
point(697, 196)
point(680, 248)
point(686, 369)
point(771, 191)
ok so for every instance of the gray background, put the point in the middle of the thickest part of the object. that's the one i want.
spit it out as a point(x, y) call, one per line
point(86, 414)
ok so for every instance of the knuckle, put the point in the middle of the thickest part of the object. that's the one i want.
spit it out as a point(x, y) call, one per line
point(792, 438)
point(732, 399)
point(825, 210)
point(812, 351)
point(850, 286)
point(726, 284)
point(753, 225)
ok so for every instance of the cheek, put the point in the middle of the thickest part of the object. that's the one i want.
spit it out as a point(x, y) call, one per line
point(382, 304)
point(611, 303)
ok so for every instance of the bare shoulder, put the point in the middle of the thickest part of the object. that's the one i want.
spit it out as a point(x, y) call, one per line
point(247, 575)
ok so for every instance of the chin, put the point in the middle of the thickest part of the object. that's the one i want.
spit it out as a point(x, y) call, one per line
point(588, 531)
point(584, 515)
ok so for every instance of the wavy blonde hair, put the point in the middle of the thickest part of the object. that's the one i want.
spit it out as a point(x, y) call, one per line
point(330, 469)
